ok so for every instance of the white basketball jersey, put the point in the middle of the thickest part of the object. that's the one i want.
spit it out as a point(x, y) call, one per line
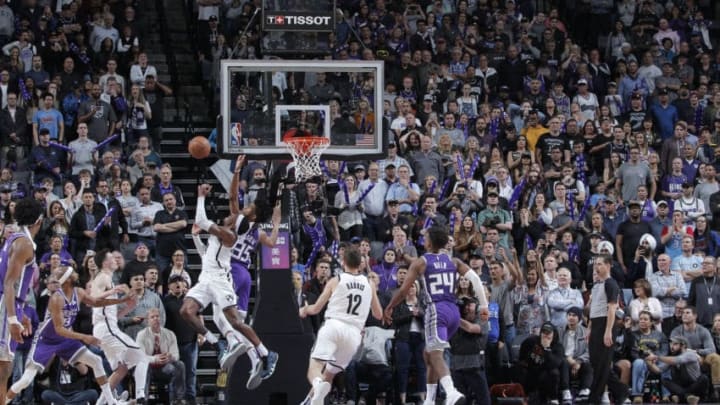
point(106, 314)
point(216, 261)
point(350, 302)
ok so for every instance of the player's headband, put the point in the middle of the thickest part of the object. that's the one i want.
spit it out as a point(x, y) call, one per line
point(66, 275)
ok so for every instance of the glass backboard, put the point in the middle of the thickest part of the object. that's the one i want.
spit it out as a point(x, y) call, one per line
point(261, 100)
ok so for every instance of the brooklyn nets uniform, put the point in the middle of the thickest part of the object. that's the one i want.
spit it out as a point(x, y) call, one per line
point(215, 284)
point(347, 310)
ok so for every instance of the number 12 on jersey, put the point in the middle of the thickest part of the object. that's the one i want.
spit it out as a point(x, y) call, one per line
point(354, 301)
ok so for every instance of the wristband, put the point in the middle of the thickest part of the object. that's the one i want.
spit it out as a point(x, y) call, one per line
point(13, 320)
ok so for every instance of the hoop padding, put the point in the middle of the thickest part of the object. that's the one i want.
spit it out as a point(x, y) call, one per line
point(306, 152)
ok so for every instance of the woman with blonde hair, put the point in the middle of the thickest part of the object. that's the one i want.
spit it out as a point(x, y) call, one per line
point(472, 149)
point(364, 118)
point(529, 298)
point(350, 219)
point(139, 113)
point(653, 161)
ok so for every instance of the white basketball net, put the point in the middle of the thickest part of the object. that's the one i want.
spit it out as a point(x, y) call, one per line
point(306, 152)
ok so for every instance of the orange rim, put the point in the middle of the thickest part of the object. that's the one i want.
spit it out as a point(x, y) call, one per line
point(304, 144)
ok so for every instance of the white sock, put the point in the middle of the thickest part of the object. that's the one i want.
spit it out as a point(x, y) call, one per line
point(101, 400)
point(254, 357)
point(262, 350)
point(447, 384)
point(316, 383)
point(106, 391)
point(210, 338)
point(140, 374)
point(431, 391)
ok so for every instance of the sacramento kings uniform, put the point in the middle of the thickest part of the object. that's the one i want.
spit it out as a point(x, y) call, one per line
point(48, 343)
point(22, 287)
point(214, 284)
point(345, 316)
point(442, 316)
point(240, 263)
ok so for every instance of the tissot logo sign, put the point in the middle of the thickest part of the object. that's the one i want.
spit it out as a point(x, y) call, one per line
point(298, 21)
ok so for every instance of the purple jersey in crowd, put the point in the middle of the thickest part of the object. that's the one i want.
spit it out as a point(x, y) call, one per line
point(673, 184)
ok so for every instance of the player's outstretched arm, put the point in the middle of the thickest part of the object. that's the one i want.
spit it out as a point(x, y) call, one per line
point(470, 274)
point(103, 301)
point(225, 235)
point(235, 207)
point(270, 240)
point(315, 308)
point(375, 307)
point(101, 285)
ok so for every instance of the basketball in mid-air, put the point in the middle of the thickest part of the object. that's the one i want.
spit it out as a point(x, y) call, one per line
point(199, 147)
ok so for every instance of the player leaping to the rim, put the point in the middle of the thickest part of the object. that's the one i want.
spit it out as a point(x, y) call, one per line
point(249, 235)
point(215, 283)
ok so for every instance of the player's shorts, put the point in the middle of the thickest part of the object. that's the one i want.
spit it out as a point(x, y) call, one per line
point(336, 343)
point(442, 320)
point(43, 350)
point(241, 283)
point(117, 346)
point(7, 344)
point(218, 292)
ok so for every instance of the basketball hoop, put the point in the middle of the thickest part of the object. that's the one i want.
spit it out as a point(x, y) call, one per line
point(306, 151)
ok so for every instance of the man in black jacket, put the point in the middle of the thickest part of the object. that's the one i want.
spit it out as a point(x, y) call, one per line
point(118, 223)
point(539, 364)
point(13, 131)
point(83, 225)
point(186, 336)
point(468, 358)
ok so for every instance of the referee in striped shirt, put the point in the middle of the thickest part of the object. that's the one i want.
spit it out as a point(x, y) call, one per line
point(603, 304)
